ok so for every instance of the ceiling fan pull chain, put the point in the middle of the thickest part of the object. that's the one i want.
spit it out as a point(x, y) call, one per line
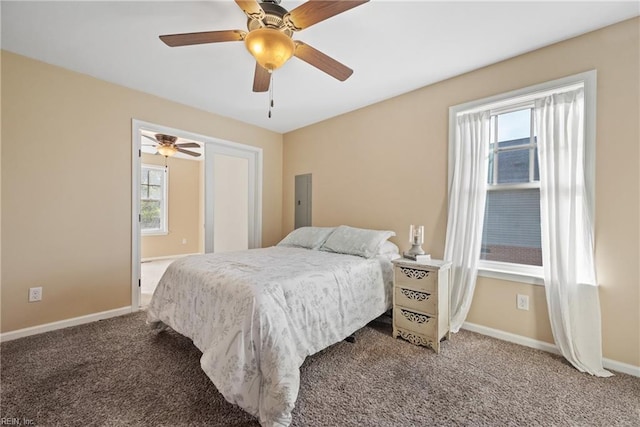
point(270, 92)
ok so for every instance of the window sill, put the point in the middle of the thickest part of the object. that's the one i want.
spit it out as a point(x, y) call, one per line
point(515, 273)
point(154, 233)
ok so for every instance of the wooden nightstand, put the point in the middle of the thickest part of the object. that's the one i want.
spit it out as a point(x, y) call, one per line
point(421, 302)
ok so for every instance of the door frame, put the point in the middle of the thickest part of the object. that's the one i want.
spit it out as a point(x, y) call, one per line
point(255, 192)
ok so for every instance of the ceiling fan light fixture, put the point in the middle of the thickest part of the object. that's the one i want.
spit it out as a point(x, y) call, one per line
point(167, 150)
point(270, 47)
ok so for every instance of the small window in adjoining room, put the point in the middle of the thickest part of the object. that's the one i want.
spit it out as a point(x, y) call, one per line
point(511, 231)
point(153, 200)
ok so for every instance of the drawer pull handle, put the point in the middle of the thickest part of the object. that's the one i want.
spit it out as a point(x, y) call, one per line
point(415, 295)
point(412, 273)
point(415, 317)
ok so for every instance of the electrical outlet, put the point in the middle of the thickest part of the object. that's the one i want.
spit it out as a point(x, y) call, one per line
point(184, 240)
point(35, 294)
point(522, 302)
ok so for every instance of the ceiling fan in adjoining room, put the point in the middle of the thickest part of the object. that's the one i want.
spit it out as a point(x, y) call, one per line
point(269, 37)
point(166, 145)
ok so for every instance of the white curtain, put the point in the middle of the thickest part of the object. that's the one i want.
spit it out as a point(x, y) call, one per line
point(467, 196)
point(567, 231)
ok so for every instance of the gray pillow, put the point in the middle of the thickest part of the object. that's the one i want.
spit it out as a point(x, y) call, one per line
point(307, 237)
point(356, 241)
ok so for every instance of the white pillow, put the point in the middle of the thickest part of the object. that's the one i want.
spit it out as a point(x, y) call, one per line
point(307, 237)
point(356, 241)
point(389, 250)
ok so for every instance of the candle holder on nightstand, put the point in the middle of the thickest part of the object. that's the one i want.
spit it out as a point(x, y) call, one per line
point(416, 238)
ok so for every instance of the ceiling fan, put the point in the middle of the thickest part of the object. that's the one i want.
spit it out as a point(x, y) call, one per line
point(270, 28)
point(166, 145)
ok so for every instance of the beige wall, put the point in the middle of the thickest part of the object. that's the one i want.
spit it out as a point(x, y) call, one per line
point(184, 207)
point(385, 166)
point(66, 186)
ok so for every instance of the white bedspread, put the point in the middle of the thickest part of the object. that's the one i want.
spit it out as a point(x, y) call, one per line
point(257, 314)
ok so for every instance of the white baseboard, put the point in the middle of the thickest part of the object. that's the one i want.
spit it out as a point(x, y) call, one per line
point(159, 258)
point(614, 365)
point(33, 330)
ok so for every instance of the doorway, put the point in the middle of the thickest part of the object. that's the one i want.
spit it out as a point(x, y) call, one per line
point(229, 190)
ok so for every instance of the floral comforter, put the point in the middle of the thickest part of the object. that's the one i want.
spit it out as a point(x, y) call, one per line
point(257, 314)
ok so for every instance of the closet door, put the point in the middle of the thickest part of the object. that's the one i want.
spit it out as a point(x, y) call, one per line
point(230, 203)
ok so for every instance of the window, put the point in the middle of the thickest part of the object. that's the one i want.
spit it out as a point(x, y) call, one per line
point(511, 245)
point(153, 200)
point(511, 231)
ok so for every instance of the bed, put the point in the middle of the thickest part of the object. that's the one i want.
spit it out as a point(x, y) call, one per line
point(257, 314)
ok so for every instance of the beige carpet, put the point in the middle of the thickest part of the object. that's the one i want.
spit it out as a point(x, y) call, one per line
point(117, 372)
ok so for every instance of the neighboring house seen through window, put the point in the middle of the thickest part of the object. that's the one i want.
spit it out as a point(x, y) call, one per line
point(153, 200)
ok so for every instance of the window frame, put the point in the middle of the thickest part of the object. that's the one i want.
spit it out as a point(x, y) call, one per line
point(517, 100)
point(532, 146)
point(163, 230)
point(511, 267)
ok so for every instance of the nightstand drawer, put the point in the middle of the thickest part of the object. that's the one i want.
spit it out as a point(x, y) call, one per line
point(420, 279)
point(414, 321)
point(426, 302)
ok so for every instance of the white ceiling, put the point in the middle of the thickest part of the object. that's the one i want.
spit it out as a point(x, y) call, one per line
point(393, 47)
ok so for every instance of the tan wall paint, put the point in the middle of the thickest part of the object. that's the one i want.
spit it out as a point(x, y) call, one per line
point(184, 210)
point(66, 186)
point(385, 166)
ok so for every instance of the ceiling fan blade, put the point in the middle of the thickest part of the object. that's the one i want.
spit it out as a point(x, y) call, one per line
point(188, 145)
point(251, 8)
point(314, 11)
point(150, 137)
point(322, 62)
point(174, 40)
point(261, 79)
point(191, 153)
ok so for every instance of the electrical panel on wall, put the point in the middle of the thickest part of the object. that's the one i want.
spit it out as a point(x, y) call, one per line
point(302, 201)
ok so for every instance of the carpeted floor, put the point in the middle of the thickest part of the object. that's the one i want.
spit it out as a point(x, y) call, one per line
point(117, 372)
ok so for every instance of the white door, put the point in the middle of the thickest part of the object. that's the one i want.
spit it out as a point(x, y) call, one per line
point(231, 203)
point(230, 199)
